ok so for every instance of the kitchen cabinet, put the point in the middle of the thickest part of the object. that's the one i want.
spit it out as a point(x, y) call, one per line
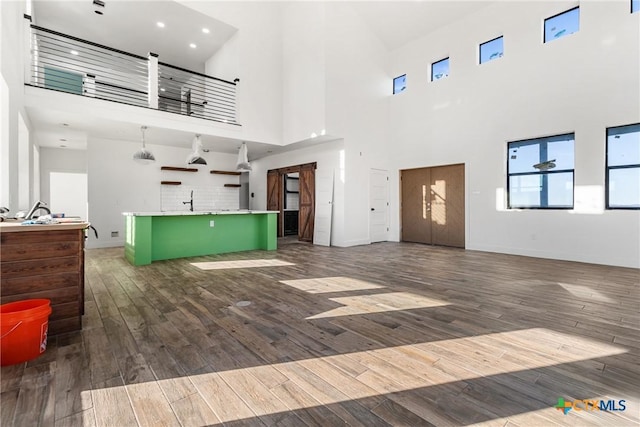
point(45, 261)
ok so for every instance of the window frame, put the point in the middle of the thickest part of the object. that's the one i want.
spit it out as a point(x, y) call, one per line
point(542, 173)
point(437, 62)
point(608, 168)
point(484, 43)
point(544, 24)
point(405, 83)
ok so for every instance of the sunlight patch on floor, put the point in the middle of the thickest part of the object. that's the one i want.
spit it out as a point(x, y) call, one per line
point(261, 391)
point(379, 303)
point(585, 292)
point(245, 263)
point(330, 284)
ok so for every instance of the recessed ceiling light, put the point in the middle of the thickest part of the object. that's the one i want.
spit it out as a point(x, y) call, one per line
point(192, 45)
point(162, 89)
point(160, 24)
point(74, 52)
point(205, 30)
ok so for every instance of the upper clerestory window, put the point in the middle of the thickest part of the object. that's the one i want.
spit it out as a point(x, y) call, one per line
point(440, 69)
point(493, 49)
point(562, 24)
point(635, 6)
point(400, 84)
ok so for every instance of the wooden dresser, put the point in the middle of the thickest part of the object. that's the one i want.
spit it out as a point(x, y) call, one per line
point(45, 261)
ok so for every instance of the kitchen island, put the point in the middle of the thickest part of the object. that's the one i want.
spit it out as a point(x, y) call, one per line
point(155, 236)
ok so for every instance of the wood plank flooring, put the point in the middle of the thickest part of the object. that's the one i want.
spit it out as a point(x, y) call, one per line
point(386, 334)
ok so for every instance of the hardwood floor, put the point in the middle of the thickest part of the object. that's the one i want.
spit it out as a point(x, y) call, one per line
point(386, 334)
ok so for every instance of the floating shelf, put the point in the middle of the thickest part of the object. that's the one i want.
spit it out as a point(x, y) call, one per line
point(233, 185)
point(226, 172)
point(170, 182)
point(179, 169)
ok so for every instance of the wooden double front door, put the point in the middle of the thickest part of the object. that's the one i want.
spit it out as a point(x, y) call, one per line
point(433, 205)
point(307, 201)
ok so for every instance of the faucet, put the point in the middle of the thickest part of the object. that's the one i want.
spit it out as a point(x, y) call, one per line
point(190, 202)
point(36, 207)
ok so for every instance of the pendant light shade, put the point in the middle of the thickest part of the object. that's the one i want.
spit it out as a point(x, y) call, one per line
point(195, 158)
point(143, 155)
point(243, 161)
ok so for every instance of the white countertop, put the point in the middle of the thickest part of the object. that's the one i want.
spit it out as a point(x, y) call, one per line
point(184, 213)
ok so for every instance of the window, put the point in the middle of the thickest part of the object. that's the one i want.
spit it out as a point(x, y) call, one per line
point(623, 167)
point(440, 69)
point(540, 173)
point(635, 6)
point(493, 49)
point(399, 84)
point(561, 25)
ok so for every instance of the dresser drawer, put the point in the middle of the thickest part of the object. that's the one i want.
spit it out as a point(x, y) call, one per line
point(40, 267)
point(29, 251)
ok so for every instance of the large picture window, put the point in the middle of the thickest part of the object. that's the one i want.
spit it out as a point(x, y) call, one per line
point(540, 173)
point(623, 167)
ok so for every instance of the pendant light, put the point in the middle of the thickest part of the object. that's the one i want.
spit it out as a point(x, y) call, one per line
point(195, 158)
point(243, 161)
point(143, 155)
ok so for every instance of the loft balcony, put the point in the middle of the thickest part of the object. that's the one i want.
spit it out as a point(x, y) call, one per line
point(69, 64)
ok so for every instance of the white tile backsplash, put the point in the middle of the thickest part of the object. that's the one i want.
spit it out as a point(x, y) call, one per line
point(205, 197)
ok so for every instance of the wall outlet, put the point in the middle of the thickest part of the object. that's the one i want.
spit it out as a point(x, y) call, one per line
point(212, 223)
point(115, 234)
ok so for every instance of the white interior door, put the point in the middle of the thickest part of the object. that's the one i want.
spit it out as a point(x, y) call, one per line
point(68, 194)
point(324, 207)
point(379, 205)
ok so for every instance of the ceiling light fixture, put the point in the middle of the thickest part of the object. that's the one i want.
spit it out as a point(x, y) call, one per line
point(206, 30)
point(74, 52)
point(192, 45)
point(243, 161)
point(195, 158)
point(162, 89)
point(160, 24)
point(143, 155)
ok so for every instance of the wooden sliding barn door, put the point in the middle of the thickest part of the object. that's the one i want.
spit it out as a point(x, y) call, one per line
point(274, 196)
point(433, 205)
point(307, 202)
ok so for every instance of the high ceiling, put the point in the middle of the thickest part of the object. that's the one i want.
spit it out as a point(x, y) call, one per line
point(396, 23)
point(132, 26)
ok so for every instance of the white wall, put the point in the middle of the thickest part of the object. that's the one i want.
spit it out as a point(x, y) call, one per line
point(256, 54)
point(581, 83)
point(63, 161)
point(328, 155)
point(358, 87)
point(303, 71)
point(11, 47)
point(118, 184)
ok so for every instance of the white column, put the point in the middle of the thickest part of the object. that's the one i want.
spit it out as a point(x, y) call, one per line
point(28, 72)
point(89, 85)
point(152, 91)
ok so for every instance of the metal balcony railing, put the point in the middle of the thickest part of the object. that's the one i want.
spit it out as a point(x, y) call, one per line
point(186, 92)
point(69, 64)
